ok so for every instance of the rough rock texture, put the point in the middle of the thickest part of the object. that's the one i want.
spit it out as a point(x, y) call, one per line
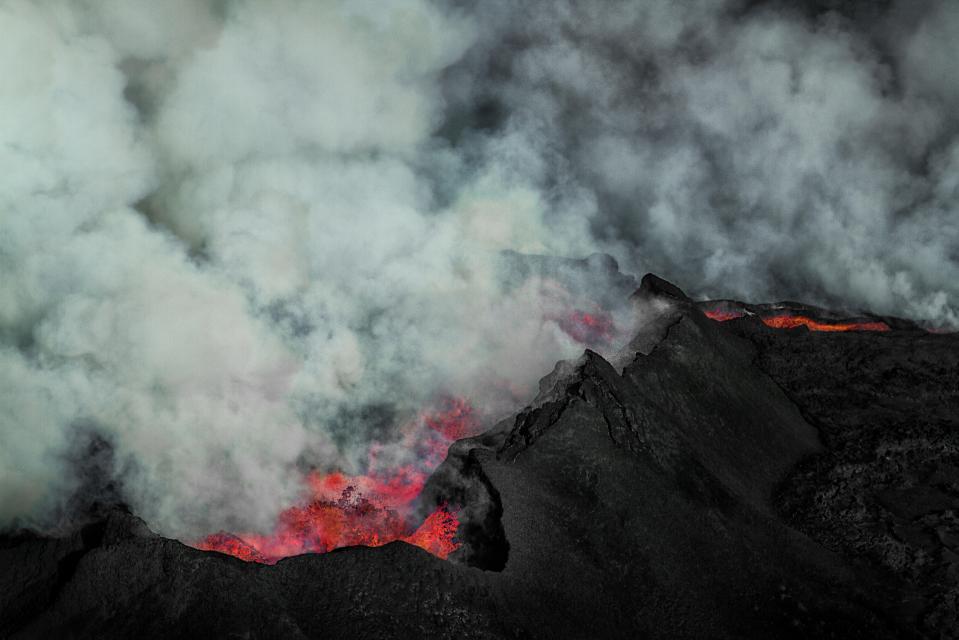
point(886, 491)
point(652, 494)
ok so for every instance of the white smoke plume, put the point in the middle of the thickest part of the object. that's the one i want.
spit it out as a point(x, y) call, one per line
point(219, 250)
point(243, 239)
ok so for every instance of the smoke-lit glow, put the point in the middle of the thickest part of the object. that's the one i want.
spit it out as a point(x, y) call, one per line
point(596, 328)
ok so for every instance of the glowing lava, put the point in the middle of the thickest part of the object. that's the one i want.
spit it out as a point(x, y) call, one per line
point(723, 316)
point(791, 322)
point(369, 510)
point(377, 507)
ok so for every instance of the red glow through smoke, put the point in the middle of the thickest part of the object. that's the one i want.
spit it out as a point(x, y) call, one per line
point(595, 328)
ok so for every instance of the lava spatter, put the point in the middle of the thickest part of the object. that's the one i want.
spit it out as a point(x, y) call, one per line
point(370, 509)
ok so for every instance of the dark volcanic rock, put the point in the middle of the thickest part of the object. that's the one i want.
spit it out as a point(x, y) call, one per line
point(639, 502)
point(886, 491)
point(652, 494)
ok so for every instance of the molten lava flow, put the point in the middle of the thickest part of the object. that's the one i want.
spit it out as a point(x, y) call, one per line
point(588, 328)
point(723, 316)
point(228, 543)
point(791, 322)
point(369, 510)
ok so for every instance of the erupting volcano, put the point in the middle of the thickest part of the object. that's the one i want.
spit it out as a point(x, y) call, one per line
point(635, 475)
point(371, 509)
point(336, 319)
point(378, 507)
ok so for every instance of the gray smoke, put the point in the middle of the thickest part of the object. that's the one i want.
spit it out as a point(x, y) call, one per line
point(239, 240)
point(762, 150)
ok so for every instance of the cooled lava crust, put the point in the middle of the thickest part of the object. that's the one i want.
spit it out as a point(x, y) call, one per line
point(713, 480)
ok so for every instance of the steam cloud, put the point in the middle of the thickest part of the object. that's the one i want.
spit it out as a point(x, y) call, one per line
point(243, 239)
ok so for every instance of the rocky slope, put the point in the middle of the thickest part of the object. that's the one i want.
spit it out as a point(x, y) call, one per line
point(885, 493)
point(712, 480)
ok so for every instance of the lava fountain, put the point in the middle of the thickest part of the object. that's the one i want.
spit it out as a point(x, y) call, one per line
point(370, 509)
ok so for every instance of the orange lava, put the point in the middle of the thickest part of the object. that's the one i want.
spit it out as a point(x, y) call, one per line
point(369, 510)
point(791, 322)
point(723, 316)
point(437, 533)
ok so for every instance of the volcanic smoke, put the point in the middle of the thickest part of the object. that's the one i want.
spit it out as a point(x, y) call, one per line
point(232, 231)
point(369, 510)
point(275, 257)
point(375, 508)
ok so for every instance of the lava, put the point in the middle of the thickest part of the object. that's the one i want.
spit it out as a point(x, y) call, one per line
point(723, 316)
point(793, 321)
point(437, 532)
point(371, 509)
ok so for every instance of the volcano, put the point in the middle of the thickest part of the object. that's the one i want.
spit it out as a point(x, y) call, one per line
point(734, 471)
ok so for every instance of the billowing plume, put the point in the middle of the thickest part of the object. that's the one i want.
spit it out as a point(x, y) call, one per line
point(223, 255)
point(243, 240)
point(753, 149)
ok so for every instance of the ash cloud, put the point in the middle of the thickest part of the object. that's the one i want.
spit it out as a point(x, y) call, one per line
point(222, 252)
point(242, 239)
point(764, 150)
